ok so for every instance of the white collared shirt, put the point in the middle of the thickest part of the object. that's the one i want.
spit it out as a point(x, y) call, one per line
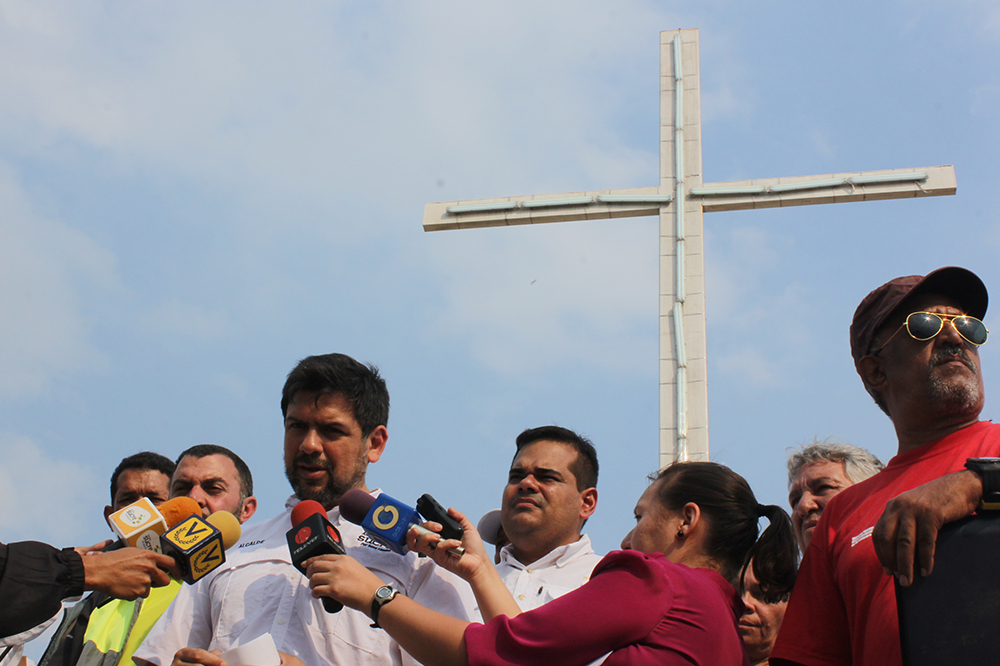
point(257, 591)
point(563, 569)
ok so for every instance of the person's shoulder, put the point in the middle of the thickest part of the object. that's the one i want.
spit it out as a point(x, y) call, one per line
point(262, 540)
point(631, 560)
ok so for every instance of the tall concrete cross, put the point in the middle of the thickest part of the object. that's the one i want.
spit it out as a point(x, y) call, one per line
point(679, 200)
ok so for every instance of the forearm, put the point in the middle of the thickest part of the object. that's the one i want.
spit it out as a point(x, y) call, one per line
point(432, 638)
point(35, 579)
point(492, 595)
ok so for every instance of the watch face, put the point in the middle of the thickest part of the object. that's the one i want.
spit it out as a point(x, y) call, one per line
point(383, 592)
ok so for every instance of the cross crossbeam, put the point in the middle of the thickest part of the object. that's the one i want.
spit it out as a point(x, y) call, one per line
point(680, 201)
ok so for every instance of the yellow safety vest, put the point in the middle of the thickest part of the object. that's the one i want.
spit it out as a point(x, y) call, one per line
point(118, 628)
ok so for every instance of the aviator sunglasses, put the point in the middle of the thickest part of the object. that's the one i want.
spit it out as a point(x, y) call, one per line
point(926, 325)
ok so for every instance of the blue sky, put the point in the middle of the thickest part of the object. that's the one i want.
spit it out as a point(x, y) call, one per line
point(194, 196)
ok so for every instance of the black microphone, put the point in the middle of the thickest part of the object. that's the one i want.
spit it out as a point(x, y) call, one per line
point(313, 535)
point(388, 520)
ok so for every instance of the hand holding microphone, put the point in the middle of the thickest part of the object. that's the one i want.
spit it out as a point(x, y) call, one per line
point(312, 535)
point(388, 520)
point(126, 573)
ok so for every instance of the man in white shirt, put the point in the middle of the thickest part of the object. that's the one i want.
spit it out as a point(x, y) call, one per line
point(335, 412)
point(550, 493)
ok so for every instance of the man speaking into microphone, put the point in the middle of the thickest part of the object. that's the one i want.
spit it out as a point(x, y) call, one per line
point(335, 412)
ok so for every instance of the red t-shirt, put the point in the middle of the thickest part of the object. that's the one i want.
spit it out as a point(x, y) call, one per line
point(642, 608)
point(843, 608)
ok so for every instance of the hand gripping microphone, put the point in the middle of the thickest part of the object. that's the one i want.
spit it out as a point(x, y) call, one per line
point(198, 545)
point(388, 520)
point(141, 524)
point(311, 535)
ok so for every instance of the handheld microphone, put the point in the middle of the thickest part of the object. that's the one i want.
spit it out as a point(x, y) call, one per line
point(388, 520)
point(311, 535)
point(198, 546)
point(141, 523)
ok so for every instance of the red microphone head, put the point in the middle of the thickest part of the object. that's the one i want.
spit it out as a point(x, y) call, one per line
point(306, 508)
point(355, 505)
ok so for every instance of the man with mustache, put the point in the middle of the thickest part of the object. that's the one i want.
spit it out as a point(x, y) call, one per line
point(817, 473)
point(915, 345)
point(335, 413)
point(551, 491)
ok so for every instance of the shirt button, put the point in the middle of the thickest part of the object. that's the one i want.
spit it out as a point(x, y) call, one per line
point(529, 571)
point(521, 597)
point(281, 621)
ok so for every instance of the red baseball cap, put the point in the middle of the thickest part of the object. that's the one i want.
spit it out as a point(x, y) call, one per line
point(959, 284)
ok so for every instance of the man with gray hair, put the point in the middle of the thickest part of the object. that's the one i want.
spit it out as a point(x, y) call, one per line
point(816, 473)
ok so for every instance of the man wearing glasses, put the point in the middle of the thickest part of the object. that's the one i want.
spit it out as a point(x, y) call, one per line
point(915, 342)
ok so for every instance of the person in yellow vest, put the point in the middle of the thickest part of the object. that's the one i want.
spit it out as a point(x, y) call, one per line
point(145, 474)
point(218, 480)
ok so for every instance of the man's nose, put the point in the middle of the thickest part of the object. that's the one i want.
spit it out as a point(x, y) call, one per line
point(949, 335)
point(627, 541)
point(199, 496)
point(807, 504)
point(528, 484)
point(311, 443)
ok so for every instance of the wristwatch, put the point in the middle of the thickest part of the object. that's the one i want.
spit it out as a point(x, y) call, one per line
point(384, 595)
point(989, 470)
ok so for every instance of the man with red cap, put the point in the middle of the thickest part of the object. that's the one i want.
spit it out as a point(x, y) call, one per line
point(915, 344)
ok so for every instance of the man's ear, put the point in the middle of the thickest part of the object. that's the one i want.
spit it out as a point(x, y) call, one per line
point(872, 371)
point(107, 514)
point(588, 499)
point(248, 509)
point(376, 443)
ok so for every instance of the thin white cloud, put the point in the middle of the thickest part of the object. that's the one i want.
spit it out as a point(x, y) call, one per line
point(188, 320)
point(759, 317)
point(750, 367)
point(534, 297)
point(45, 268)
point(44, 498)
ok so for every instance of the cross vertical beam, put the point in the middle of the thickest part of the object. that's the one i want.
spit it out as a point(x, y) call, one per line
point(683, 432)
point(680, 199)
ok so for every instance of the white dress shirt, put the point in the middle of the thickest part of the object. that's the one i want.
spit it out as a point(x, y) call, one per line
point(565, 568)
point(257, 591)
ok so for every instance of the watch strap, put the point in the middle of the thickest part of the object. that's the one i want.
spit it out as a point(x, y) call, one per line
point(989, 470)
point(383, 595)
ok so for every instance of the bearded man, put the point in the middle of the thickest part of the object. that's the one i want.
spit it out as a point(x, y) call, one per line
point(335, 412)
point(915, 342)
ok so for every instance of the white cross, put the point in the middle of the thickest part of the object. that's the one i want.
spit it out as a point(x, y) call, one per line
point(680, 202)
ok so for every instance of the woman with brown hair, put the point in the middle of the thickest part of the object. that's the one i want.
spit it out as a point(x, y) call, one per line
point(668, 597)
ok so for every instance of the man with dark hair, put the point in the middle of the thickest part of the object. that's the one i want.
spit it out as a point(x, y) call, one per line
point(551, 491)
point(915, 345)
point(143, 474)
point(335, 412)
point(217, 479)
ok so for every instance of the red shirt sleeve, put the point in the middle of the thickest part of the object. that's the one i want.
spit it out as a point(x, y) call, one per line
point(816, 630)
point(625, 599)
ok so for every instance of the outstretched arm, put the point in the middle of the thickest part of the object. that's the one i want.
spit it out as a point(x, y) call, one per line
point(432, 638)
point(475, 566)
point(128, 573)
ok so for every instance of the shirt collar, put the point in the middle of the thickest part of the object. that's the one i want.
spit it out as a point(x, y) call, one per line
point(557, 557)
